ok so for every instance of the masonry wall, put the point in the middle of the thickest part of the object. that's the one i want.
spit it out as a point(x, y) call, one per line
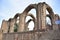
point(5, 26)
point(40, 32)
point(31, 35)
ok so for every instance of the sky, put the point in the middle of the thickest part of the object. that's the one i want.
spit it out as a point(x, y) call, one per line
point(57, 21)
point(8, 8)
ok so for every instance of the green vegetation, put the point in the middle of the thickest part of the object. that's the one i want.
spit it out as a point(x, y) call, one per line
point(15, 27)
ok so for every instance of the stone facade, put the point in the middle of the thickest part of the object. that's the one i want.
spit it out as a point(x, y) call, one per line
point(41, 31)
point(5, 26)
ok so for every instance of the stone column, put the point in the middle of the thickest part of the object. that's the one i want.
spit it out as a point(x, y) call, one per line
point(4, 26)
point(41, 16)
point(35, 24)
point(12, 25)
point(55, 25)
point(21, 23)
point(26, 27)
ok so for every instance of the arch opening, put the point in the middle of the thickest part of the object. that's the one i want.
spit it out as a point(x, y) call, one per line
point(24, 15)
point(17, 20)
point(48, 22)
point(16, 17)
point(31, 26)
point(30, 17)
point(50, 14)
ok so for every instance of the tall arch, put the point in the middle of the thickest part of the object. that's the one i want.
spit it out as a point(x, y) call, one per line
point(49, 27)
point(24, 15)
point(41, 15)
point(11, 21)
point(33, 19)
point(51, 13)
point(16, 25)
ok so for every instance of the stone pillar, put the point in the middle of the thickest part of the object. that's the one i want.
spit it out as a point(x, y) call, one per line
point(55, 26)
point(21, 23)
point(26, 27)
point(35, 24)
point(41, 16)
point(12, 25)
point(4, 26)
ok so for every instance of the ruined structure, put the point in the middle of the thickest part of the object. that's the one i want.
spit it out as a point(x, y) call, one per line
point(13, 30)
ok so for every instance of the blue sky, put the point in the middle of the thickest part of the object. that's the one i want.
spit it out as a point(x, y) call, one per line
point(8, 8)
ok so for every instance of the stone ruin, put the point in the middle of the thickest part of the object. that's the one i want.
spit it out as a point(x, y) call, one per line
point(41, 30)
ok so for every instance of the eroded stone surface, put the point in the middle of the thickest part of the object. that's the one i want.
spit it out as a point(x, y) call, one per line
point(41, 31)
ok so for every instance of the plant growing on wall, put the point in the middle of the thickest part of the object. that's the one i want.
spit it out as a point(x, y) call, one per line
point(15, 27)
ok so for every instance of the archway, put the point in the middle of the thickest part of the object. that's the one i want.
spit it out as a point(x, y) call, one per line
point(24, 15)
point(51, 14)
point(41, 15)
point(16, 25)
point(29, 25)
point(49, 22)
